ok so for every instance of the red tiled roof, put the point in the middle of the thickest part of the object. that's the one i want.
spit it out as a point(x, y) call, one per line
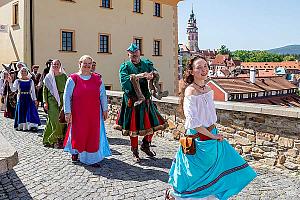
point(225, 60)
point(237, 85)
point(220, 60)
point(271, 65)
point(225, 71)
point(262, 84)
point(243, 76)
point(208, 53)
point(237, 62)
point(265, 73)
point(274, 83)
point(261, 73)
point(290, 100)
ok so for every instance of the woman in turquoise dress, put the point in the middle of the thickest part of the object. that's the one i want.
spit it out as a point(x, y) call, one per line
point(216, 170)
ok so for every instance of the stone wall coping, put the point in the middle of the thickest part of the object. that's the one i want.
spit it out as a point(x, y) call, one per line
point(114, 93)
point(8, 155)
point(276, 110)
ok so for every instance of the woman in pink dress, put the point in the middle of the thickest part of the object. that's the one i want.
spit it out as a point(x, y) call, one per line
point(85, 107)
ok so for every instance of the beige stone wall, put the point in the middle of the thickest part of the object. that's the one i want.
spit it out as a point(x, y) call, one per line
point(269, 134)
point(13, 46)
point(87, 19)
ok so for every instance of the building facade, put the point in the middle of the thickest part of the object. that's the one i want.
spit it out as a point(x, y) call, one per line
point(67, 29)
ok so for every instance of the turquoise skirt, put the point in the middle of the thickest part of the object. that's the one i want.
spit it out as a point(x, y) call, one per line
point(216, 169)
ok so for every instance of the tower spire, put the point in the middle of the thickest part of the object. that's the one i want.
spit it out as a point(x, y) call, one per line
point(192, 32)
point(192, 8)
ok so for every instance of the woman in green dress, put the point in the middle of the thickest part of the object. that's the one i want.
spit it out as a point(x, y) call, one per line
point(54, 84)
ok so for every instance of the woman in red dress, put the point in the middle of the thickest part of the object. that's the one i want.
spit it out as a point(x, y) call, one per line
point(85, 107)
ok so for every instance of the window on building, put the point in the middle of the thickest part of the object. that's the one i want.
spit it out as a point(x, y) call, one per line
point(67, 40)
point(15, 12)
point(139, 43)
point(157, 9)
point(137, 6)
point(157, 48)
point(104, 43)
point(161, 86)
point(108, 87)
point(106, 3)
point(255, 95)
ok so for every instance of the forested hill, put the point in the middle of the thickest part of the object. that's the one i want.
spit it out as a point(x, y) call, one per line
point(290, 49)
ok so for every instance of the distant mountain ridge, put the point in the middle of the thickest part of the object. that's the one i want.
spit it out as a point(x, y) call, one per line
point(289, 49)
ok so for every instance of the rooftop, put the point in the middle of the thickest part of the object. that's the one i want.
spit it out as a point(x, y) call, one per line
point(262, 84)
point(271, 65)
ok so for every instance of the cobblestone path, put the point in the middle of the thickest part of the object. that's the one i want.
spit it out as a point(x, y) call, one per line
point(46, 173)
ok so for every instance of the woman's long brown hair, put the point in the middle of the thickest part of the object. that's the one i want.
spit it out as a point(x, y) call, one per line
point(188, 79)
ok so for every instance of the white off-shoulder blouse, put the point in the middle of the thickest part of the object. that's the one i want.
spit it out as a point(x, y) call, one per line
point(199, 110)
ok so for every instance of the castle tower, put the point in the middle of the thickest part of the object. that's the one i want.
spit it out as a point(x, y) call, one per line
point(192, 33)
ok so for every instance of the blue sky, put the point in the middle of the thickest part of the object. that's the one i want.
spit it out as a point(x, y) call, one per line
point(242, 24)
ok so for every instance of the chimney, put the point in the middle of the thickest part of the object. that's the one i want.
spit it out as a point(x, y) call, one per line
point(252, 75)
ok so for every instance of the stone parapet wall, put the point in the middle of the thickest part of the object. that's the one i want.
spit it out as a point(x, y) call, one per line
point(8, 155)
point(269, 134)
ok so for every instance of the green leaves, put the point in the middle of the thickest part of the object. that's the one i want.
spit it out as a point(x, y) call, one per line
point(259, 56)
point(223, 50)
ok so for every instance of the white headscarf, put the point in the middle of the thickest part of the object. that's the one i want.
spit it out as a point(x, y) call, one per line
point(21, 63)
point(20, 73)
point(50, 82)
point(2, 74)
point(2, 81)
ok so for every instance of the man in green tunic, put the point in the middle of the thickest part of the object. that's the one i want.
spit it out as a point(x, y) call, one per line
point(142, 118)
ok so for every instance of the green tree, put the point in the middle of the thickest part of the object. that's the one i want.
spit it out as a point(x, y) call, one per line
point(256, 56)
point(185, 62)
point(289, 58)
point(223, 50)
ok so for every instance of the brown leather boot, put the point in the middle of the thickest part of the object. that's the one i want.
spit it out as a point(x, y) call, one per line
point(145, 147)
point(136, 86)
point(136, 157)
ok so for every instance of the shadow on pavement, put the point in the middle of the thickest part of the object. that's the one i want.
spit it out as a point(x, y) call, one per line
point(121, 141)
point(11, 187)
point(43, 121)
point(116, 169)
point(164, 163)
point(114, 152)
point(118, 141)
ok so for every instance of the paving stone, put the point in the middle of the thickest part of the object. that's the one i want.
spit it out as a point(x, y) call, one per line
point(46, 173)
